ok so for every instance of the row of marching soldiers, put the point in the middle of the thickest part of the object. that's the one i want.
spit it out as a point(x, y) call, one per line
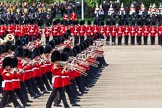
point(137, 34)
point(21, 32)
point(56, 67)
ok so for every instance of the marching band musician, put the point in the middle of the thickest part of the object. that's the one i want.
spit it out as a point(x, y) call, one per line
point(73, 17)
point(8, 91)
point(57, 82)
point(82, 30)
point(47, 33)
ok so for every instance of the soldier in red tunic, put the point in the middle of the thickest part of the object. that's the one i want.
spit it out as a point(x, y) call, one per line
point(113, 34)
point(107, 33)
point(146, 31)
point(120, 34)
point(139, 34)
point(8, 76)
point(73, 17)
point(160, 35)
point(82, 30)
point(126, 34)
point(57, 82)
point(47, 33)
point(133, 34)
point(153, 31)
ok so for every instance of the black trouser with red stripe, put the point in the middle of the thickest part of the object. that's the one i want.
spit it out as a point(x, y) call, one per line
point(12, 96)
point(152, 40)
point(57, 95)
point(145, 40)
point(132, 40)
point(119, 40)
point(139, 40)
point(126, 40)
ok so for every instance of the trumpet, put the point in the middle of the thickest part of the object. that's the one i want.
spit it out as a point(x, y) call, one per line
point(72, 66)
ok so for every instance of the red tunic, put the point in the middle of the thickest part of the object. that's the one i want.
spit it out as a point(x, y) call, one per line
point(139, 31)
point(120, 31)
point(133, 31)
point(16, 81)
point(73, 16)
point(65, 78)
point(114, 30)
point(47, 32)
point(108, 31)
point(146, 31)
point(7, 83)
point(57, 77)
point(153, 31)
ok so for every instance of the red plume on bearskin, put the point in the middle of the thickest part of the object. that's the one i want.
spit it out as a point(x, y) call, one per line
point(6, 62)
point(18, 52)
point(56, 56)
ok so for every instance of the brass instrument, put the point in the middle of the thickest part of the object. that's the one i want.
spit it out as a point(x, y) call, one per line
point(39, 9)
point(1, 41)
point(18, 10)
point(25, 10)
point(44, 9)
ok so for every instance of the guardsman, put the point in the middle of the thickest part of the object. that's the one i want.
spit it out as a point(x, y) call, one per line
point(160, 35)
point(153, 31)
point(120, 34)
point(8, 76)
point(132, 9)
point(133, 34)
point(57, 82)
point(111, 10)
point(113, 34)
point(139, 34)
point(76, 34)
point(89, 29)
point(47, 33)
point(146, 31)
point(73, 17)
point(95, 30)
point(31, 32)
point(54, 30)
point(82, 30)
point(65, 17)
point(102, 30)
point(108, 33)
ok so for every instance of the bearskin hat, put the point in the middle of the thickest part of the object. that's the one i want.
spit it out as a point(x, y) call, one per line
point(56, 41)
point(3, 48)
point(41, 49)
point(30, 53)
point(12, 47)
point(56, 56)
point(64, 56)
point(74, 52)
point(47, 49)
point(7, 47)
point(54, 22)
point(52, 43)
point(66, 49)
point(0, 50)
point(81, 23)
point(7, 61)
point(81, 46)
point(14, 62)
point(35, 53)
point(18, 52)
point(89, 22)
point(78, 49)
point(18, 43)
point(26, 53)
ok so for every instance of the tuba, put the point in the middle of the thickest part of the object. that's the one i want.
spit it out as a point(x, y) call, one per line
point(25, 10)
point(1, 41)
point(9, 37)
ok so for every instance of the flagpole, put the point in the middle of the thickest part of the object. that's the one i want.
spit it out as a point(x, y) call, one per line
point(82, 10)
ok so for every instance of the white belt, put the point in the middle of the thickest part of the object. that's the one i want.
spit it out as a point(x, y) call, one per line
point(28, 70)
point(7, 81)
point(15, 79)
point(42, 66)
point(65, 76)
point(35, 68)
point(47, 64)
